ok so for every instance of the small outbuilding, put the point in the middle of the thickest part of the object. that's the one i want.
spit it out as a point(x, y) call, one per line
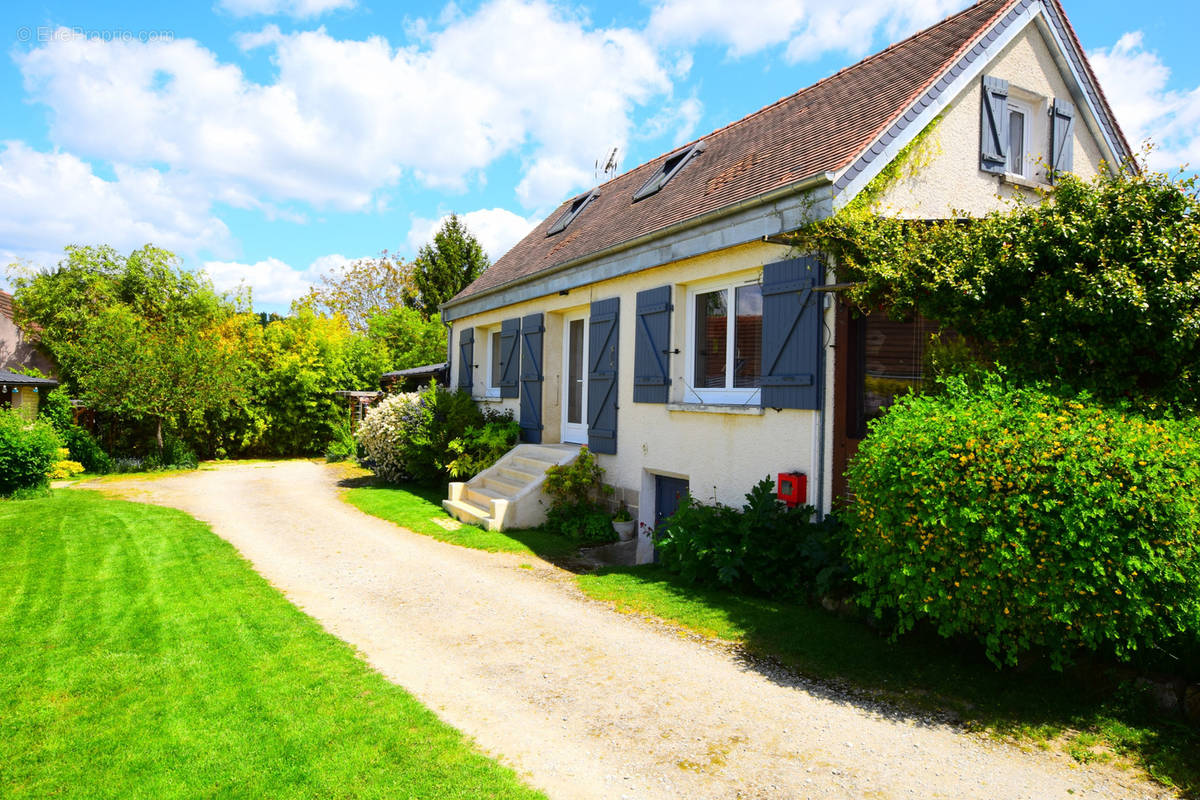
point(23, 392)
point(406, 380)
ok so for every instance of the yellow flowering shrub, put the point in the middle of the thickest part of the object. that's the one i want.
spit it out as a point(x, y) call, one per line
point(1029, 521)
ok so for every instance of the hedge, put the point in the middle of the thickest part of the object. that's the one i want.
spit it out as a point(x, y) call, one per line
point(1029, 521)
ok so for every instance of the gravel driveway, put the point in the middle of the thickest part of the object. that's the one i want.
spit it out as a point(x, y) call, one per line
point(583, 701)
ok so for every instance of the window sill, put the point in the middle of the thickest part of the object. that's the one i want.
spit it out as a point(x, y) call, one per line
point(489, 398)
point(1023, 182)
point(717, 408)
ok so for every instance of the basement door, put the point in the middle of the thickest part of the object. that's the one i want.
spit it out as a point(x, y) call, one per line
point(574, 372)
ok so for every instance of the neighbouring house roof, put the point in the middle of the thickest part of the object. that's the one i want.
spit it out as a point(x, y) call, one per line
point(415, 372)
point(834, 127)
point(6, 307)
point(8, 378)
point(357, 395)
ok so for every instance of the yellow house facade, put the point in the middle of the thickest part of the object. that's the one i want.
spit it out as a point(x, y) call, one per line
point(661, 318)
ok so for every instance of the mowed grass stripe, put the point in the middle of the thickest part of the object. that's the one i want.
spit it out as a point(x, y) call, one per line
point(144, 658)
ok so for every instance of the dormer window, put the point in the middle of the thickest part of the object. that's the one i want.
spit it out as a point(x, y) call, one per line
point(673, 163)
point(574, 210)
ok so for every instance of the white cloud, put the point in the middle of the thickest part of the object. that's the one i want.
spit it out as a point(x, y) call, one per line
point(343, 120)
point(497, 229)
point(1135, 83)
point(809, 28)
point(50, 200)
point(271, 280)
point(301, 9)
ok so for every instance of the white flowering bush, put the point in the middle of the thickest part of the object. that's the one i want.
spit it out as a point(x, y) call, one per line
point(387, 429)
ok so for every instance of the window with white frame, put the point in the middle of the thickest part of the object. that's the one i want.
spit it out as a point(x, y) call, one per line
point(724, 334)
point(492, 387)
point(1020, 126)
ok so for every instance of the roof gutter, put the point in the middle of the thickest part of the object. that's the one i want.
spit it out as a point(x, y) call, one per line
point(805, 184)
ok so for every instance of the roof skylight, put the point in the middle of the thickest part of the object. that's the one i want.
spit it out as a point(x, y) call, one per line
point(673, 163)
point(577, 206)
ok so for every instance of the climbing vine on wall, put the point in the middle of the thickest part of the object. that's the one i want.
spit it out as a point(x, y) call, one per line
point(1097, 288)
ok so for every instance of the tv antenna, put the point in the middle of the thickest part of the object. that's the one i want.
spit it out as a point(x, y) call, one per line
point(610, 166)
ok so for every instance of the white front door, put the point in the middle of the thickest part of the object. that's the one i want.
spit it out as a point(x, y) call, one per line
point(574, 399)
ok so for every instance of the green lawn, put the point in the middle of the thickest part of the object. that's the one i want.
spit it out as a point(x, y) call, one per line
point(419, 509)
point(921, 672)
point(142, 657)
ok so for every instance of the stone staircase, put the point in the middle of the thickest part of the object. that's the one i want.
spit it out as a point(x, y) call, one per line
point(509, 493)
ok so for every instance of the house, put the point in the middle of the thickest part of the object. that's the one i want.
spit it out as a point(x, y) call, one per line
point(662, 318)
point(17, 352)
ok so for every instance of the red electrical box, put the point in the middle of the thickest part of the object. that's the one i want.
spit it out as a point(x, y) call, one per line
point(792, 488)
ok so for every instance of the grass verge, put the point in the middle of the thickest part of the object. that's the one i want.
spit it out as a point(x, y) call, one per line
point(419, 509)
point(922, 672)
point(143, 658)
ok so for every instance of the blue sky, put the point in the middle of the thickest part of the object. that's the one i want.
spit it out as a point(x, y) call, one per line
point(268, 141)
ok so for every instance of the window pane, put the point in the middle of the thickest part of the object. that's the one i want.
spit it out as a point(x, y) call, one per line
point(1016, 142)
point(575, 373)
point(495, 384)
point(747, 337)
point(712, 317)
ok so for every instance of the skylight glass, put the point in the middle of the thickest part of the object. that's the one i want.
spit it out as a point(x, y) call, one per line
point(673, 163)
point(574, 210)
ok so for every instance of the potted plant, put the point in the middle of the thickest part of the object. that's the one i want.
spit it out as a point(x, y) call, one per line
point(623, 523)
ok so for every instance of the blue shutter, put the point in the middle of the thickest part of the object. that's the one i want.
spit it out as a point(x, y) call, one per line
point(531, 379)
point(993, 149)
point(652, 345)
point(466, 355)
point(602, 375)
point(1062, 138)
point(791, 334)
point(510, 357)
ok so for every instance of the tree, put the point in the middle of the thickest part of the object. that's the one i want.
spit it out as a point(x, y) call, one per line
point(445, 266)
point(410, 339)
point(62, 303)
point(366, 288)
point(169, 370)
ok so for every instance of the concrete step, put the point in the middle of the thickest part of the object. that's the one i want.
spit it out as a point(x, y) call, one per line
point(519, 477)
point(504, 487)
point(532, 465)
point(483, 496)
point(468, 512)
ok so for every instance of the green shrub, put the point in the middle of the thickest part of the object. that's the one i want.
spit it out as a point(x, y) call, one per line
point(408, 436)
point(764, 548)
point(585, 523)
point(1029, 521)
point(343, 447)
point(575, 489)
point(481, 447)
point(175, 454)
point(84, 448)
point(28, 451)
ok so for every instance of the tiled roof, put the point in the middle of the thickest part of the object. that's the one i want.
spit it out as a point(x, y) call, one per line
point(6, 309)
point(818, 129)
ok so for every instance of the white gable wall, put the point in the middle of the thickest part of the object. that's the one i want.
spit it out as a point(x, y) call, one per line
point(944, 176)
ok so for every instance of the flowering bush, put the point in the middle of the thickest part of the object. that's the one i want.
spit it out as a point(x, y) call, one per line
point(424, 436)
point(1029, 521)
point(385, 432)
